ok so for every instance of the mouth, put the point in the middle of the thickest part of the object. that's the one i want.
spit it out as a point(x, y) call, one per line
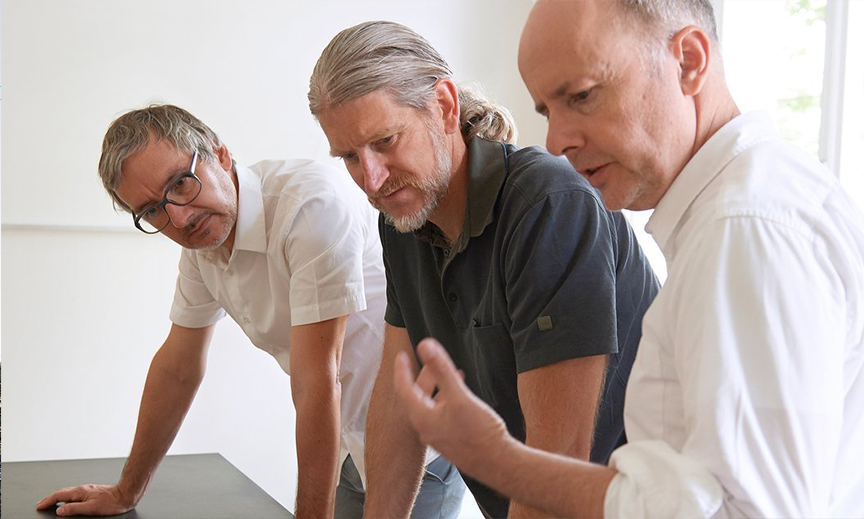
point(390, 195)
point(198, 226)
point(594, 175)
point(393, 193)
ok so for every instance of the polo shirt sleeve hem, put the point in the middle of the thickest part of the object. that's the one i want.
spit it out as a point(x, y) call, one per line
point(393, 316)
point(323, 311)
point(654, 480)
point(563, 350)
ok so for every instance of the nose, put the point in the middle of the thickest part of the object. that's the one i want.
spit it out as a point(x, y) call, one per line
point(564, 136)
point(180, 214)
point(374, 172)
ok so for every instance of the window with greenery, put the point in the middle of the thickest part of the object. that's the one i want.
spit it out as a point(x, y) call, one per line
point(801, 60)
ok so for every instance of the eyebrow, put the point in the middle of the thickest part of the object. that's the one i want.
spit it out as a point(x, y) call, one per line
point(173, 174)
point(559, 92)
point(390, 130)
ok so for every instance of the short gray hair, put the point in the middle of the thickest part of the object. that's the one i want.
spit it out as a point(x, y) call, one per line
point(668, 16)
point(660, 19)
point(131, 133)
point(386, 55)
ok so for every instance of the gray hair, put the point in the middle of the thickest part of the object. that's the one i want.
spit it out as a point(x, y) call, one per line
point(131, 132)
point(668, 16)
point(386, 55)
point(662, 18)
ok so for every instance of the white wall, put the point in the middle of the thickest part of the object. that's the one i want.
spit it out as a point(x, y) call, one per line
point(85, 297)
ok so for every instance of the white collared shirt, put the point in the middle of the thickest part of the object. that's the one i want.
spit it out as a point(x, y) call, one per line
point(747, 395)
point(306, 249)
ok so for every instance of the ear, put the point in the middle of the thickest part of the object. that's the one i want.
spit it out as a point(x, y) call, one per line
point(447, 98)
point(223, 157)
point(692, 49)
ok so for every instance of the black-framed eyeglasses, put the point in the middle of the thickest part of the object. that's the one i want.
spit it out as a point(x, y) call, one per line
point(182, 191)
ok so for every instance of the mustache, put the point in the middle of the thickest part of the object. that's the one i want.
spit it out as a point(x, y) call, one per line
point(390, 187)
point(193, 224)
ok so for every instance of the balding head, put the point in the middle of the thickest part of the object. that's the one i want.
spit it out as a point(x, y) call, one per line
point(627, 107)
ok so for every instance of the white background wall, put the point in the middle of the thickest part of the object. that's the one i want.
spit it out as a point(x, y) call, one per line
point(85, 297)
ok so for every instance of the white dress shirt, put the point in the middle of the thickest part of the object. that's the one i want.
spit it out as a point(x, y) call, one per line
point(306, 249)
point(747, 395)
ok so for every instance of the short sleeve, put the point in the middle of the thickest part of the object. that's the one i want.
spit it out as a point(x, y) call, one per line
point(194, 305)
point(560, 281)
point(324, 249)
point(393, 313)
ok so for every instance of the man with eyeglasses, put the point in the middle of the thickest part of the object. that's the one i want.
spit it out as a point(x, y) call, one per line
point(290, 250)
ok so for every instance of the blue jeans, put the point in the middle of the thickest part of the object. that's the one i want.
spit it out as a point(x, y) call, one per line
point(440, 495)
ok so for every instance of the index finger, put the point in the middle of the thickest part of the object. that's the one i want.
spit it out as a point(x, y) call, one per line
point(403, 382)
point(64, 495)
point(440, 365)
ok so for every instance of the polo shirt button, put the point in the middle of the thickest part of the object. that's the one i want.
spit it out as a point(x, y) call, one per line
point(452, 297)
point(246, 320)
point(446, 252)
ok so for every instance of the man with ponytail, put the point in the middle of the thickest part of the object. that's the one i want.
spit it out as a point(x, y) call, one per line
point(505, 255)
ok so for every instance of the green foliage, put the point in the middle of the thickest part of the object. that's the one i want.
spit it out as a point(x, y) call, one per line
point(811, 11)
point(799, 103)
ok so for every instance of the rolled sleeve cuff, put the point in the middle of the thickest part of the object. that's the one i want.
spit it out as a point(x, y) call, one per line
point(654, 480)
point(191, 319)
point(327, 310)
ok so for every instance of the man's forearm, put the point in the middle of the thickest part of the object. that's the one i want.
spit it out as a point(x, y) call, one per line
point(166, 400)
point(560, 404)
point(556, 485)
point(394, 455)
point(318, 443)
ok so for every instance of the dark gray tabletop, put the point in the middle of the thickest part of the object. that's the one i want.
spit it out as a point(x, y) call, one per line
point(197, 486)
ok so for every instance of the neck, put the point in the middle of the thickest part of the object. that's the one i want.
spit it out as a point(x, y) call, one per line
point(713, 113)
point(449, 216)
point(228, 244)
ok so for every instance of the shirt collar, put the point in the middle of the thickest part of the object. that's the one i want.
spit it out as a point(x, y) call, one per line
point(728, 142)
point(487, 170)
point(250, 230)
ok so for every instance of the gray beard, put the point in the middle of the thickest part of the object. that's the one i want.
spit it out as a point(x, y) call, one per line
point(433, 189)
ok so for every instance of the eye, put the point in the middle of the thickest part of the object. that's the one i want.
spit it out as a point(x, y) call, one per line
point(384, 142)
point(579, 97)
point(150, 213)
point(348, 157)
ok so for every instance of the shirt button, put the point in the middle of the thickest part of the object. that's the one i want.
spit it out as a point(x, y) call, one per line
point(452, 297)
point(229, 272)
point(246, 319)
point(446, 252)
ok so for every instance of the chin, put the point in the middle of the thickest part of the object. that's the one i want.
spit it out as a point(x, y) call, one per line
point(407, 222)
point(212, 239)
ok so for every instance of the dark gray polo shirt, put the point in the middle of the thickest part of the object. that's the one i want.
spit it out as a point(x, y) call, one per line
point(542, 273)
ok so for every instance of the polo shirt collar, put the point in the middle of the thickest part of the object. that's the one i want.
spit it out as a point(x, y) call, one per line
point(728, 142)
point(250, 230)
point(487, 171)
